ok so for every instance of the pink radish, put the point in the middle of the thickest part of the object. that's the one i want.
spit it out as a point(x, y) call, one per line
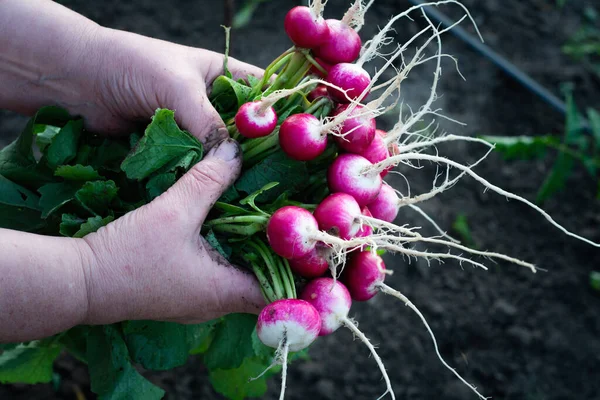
point(317, 93)
point(302, 137)
point(332, 301)
point(288, 325)
point(348, 174)
point(289, 232)
point(357, 131)
point(343, 44)
point(256, 119)
point(305, 27)
point(377, 151)
point(385, 206)
point(364, 276)
point(351, 78)
point(339, 215)
point(314, 264)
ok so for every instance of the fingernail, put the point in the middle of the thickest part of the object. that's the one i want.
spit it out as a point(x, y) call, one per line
point(226, 150)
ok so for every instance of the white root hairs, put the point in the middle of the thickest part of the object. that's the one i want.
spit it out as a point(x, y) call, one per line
point(317, 7)
point(392, 292)
point(439, 159)
point(348, 323)
point(433, 223)
point(440, 139)
point(355, 16)
point(284, 357)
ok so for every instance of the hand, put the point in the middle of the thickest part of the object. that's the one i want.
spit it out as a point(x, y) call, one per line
point(153, 264)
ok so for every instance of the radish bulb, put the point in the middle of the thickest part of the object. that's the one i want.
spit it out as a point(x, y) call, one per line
point(377, 151)
point(287, 325)
point(302, 137)
point(386, 205)
point(290, 232)
point(347, 175)
point(314, 264)
point(332, 301)
point(339, 215)
point(357, 131)
point(343, 44)
point(351, 78)
point(305, 27)
point(256, 119)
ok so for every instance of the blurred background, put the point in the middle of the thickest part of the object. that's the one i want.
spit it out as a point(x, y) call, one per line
point(513, 334)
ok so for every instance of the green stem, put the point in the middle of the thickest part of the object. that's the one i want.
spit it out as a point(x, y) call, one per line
point(287, 278)
point(283, 80)
point(314, 62)
point(271, 141)
point(273, 270)
point(265, 286)
point(270, 70)
point(239, 219)
point(242, 230)
point(316, 104)
point(255, 160)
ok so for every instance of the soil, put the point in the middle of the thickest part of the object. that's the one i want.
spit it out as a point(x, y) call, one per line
point(513, 334)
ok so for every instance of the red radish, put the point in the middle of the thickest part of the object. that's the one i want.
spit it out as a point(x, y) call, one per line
point(343, 44)
point(363, 274)
point(385, 206)
point(302, 137)
point(357, 131)
point(305, 28)
point(317, 93)
point(349, 174)
point(332, 301)
point(377, 151)
point(339, 215)
point(256, 119)
point(314, 264)
point(324, 65)
point(365, 230)
point(351, 78)
point(290, 231)
point(288, 325)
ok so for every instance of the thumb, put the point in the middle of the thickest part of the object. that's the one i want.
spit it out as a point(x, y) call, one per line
point(199, 117)
point(198, 190)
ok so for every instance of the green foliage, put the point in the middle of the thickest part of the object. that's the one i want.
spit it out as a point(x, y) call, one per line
point(28, 363)
point(462, 228)
point(228, 95)
point(584, 45)
point(245, 14)
point(595, 280)
point(575, 146)
point(232, 342)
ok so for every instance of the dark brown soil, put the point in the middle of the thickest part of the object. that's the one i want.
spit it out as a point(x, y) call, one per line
point(514, 334)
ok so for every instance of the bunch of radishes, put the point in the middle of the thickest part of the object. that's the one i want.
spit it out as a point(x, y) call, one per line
point(310, 105)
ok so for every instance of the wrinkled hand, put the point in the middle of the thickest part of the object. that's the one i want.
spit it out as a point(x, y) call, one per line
point(152, 263)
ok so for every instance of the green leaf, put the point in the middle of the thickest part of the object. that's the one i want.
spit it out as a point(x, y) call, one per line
point(224, 250)
point(228, 95)
point(55, 195)
point(64, 145)
point(159, 184)
point(70, 224)
point(30, 363)
point(111, 373)
point(232, 342)
point(44, 134)
point(92, 225)
point(244, 15)
point(253, 81)
point(162, 345)
point(594, 118)
point(109, 155)
point(236, 384)
point(19, 207)
point(522, 147)
point(77, 173)
point(261, 351)
point(163, 142)
point(291, 174)
point(230, 195)
point(75, 341)
point(97, 196)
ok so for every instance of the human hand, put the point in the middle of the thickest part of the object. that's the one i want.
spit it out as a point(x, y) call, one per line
point(152, 263)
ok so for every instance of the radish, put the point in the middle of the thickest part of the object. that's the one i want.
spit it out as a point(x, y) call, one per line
point(324, 69)
point(332, 301)
point(305, 27)
point(314, 264)
point(339, 215)
point(351, 78)
point(302, 137)
point(317, 93)
point(357, 129)
point(289, 232)
point(364, 276)
point(347, 175)
point(343, 43)
point(256, 119)
point(377, 151)
point(386, 205)
point(287, 325)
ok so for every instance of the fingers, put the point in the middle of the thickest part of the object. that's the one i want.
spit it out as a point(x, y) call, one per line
point(241, 69)
point(197, 191)
point(198, 116)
